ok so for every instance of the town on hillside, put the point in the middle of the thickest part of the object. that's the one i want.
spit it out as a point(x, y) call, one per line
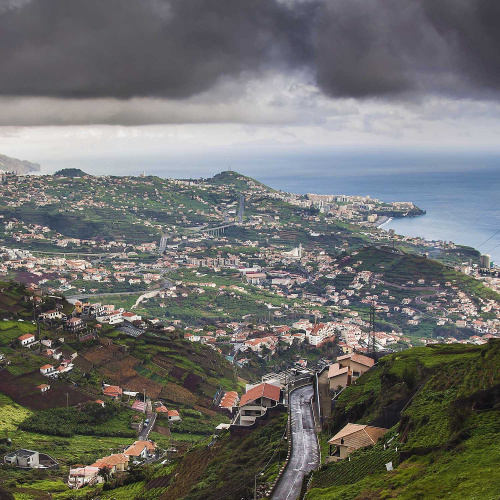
point(148, 326)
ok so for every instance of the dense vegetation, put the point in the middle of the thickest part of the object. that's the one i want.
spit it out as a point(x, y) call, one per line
point(67, 422)
point(227, 468)
point(70, 172)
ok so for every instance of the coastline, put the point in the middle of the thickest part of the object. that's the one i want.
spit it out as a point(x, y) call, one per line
point(382, 221)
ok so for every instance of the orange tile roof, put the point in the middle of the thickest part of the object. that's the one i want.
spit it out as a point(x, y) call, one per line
point(356, 436)
point(113, 390)
point(335, 370)
point(229, 399)
point(26, 336)
point(357, 358)
point(111, 460)
point(259, 391)
point(137, 448)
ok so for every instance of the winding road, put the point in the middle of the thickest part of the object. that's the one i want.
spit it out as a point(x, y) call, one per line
point(305, 452)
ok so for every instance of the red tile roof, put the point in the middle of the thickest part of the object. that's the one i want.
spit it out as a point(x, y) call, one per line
point(113, 390)
point(335, 370)
point(357, 358)
point(26, 336)
point(259, 391)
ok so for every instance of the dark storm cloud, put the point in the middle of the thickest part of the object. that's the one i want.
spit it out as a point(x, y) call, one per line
point(180, 48)
point(125, 48)
point(368, 48)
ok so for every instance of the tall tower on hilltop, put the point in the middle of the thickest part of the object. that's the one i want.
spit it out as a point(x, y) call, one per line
point(241, 209)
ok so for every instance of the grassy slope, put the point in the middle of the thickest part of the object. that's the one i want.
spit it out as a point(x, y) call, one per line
point(11, 415)
point(450, 429)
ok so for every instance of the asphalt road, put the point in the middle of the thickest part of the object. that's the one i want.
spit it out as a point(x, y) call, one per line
point(144, 434)
point(305, 453)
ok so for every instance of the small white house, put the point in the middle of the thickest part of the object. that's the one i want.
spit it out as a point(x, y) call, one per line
point(173, 416)
point(27, 340)
point(47, 370)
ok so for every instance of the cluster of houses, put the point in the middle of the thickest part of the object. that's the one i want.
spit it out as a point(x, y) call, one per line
point(65, 356)
point(110, 465)
point(116, 393)
point(260, 397)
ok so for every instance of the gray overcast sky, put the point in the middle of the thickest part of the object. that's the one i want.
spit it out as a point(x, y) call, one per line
point(186, 75)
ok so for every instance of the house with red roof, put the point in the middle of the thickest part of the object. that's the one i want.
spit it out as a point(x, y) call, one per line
point(43, 388)
point(47, 370)
point(256, 401)
point(140, 449)
point(229, 400)
point(27, 340)
point(173, 416)
point(113, 391)
point(118, 462)
point(131, 317)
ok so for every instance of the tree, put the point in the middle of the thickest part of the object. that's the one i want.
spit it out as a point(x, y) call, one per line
point(105, 473)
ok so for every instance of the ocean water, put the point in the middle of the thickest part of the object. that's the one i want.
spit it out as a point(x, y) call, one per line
point(460, 191)
point(461, 195)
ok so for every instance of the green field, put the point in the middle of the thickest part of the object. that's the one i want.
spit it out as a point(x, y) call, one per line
point(76, 449)
point(11, 330)
point(11, 415)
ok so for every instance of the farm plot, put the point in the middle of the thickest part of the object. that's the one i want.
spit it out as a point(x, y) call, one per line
point(11, 330)
point(23, 390)
point(124, 374)
point(101, 354)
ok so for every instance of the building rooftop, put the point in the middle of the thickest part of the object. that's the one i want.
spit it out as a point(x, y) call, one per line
point(262, 390)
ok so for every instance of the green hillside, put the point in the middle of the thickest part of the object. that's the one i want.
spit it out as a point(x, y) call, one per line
point(446, 443)
point(227, 468)
point(183, 375)
point(235, 179)
point(399, 268)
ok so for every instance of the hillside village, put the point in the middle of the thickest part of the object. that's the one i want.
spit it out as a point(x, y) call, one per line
point(127, 352)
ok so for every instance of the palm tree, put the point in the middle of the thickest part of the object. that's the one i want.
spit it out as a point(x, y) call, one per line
point(105, 473)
